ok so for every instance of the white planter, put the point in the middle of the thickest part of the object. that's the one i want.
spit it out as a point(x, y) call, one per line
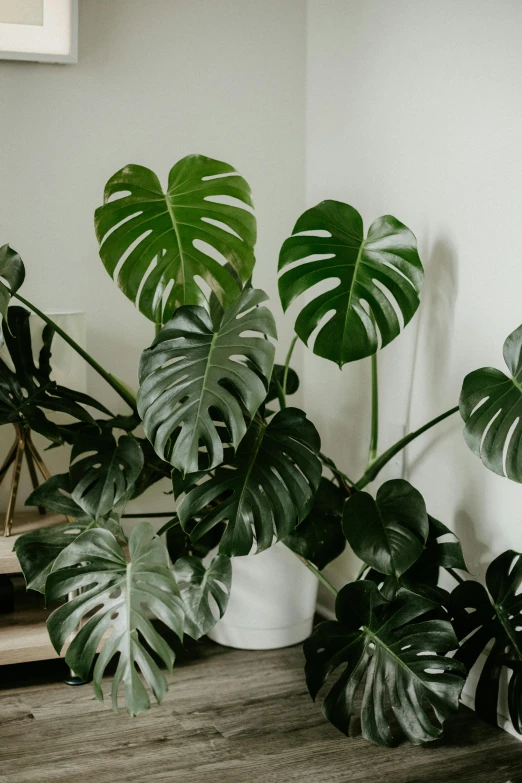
point(272, 602)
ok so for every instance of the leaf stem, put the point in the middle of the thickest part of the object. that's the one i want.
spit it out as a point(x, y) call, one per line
point(375, 468)
point(281, 396)
point(346, 481)
point(287, 364)
point(454, 574)
point(318, 575)
point(374, 433)
point(125, 393)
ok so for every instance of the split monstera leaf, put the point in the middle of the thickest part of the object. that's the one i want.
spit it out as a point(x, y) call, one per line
point(157, 245)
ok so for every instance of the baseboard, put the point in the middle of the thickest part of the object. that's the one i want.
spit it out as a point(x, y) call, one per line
point(468, 694)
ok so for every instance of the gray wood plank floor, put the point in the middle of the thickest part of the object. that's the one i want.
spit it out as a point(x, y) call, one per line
point(230, 717)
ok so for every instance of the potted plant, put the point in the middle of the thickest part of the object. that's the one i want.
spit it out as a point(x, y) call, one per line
point(247, 476)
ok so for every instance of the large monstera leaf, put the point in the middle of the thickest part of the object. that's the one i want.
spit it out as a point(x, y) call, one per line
point(204, 591)
point(320, 538)
point(265, 490)
point(387, 643)
point(495, 619)
point(491, 407)
point(200, 373)
point(12, 274)
point(115, 600)
point(382, 270)
point(29, 391)
point(38, 550)
point(155, 244)
point(388, 533)
point(103, 471)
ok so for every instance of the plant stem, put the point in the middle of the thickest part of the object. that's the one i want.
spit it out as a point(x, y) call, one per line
point(280, 394)
point(157, 329)
point(454, 574)
point(374, 433)
point(318, 575)
point(287, 364)
point(346, 480)
point(125, 393)
point(380, 462)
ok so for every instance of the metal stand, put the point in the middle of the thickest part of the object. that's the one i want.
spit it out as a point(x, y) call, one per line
point(23, 446)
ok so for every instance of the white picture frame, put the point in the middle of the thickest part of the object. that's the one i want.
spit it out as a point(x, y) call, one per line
point(53, 41)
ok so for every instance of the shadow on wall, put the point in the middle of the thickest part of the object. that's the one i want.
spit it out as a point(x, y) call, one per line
point(433, 340)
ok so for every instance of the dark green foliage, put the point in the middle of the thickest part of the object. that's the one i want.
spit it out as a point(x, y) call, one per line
point(192, 380)
point(387, 533)
point(116, 596)
point(390, 645)
point(29, 391)
point(491, 407)
point(320, 538)
point(202, 587)
point(264, 491)
point(12, 274)
point(388, 255)
point(170, 228)
point(496, 618)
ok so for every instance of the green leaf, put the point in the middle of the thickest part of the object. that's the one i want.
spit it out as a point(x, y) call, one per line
point(154, 468)
point(103, 471)
point(179, 543)
point(292, 382)
point(12, 273)
point(156, 244)
point(198, 585)
point(320, 538)
point(384, 271)
point(196, 376)
point(384, 643)
point(437, 555)
point(491, 407)
point(266, 489)
point(54, 494)
point(496, 618)
point(37, 551)
point(115, 598)
point(387, 533)
point(29, 391)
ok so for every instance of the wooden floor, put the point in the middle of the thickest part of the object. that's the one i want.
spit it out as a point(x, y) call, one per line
point(229, 717)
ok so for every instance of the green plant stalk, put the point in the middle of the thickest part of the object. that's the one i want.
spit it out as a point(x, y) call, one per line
point(287, 365)
point(374, 432)
point(346, 480)
point(125, 393)
point(318, 575)
point(281, 396)
point(374, 469)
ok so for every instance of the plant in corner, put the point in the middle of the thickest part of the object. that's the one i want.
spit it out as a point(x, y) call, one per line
point(245, 476)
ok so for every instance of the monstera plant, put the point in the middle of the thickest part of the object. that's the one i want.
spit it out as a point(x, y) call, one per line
point(247, 470)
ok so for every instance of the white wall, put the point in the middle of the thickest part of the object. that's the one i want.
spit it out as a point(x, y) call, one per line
point(415, 109)
point(155, 81)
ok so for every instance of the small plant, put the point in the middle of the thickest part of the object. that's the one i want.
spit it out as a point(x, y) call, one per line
point(245, 475)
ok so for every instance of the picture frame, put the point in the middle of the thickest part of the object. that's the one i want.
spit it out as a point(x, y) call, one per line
point(44, 31)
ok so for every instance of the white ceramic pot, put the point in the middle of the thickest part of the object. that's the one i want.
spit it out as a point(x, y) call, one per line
point(272, 602)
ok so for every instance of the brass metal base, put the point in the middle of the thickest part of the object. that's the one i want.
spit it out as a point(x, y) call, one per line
point(23, 446)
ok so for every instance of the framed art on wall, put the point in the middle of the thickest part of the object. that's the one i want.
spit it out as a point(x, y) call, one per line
point(39, 30)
